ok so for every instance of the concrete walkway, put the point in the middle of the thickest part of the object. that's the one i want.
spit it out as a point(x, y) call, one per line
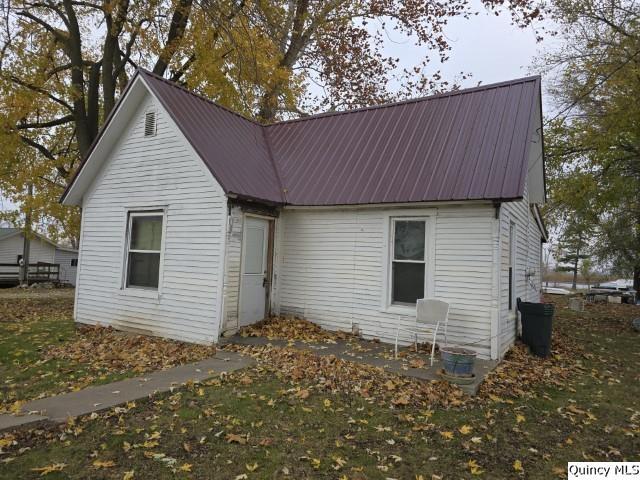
point(376, 354)
point(93, 399)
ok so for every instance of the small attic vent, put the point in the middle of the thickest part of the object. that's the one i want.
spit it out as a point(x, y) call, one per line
point(150, 124)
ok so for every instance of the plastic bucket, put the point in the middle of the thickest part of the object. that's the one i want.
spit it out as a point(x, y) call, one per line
point(458, 361)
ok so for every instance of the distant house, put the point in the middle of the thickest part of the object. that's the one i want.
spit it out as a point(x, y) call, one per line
point(197, 221)
point(41, 250)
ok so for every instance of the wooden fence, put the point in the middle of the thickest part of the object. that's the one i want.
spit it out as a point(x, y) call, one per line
point(38, 272)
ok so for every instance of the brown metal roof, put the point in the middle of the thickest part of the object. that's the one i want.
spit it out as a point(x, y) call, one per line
point(233, 147)
point(464, 145)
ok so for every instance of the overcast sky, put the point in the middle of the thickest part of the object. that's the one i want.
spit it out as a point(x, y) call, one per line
point(486, 46)
point(490, 48)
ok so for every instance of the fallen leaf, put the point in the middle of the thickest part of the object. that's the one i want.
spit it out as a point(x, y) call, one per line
point(475, 468)
point(55, 467)
point(447, 435)
point(302, 394)
point(233, 438)
point(517, 466)
point(465, 429)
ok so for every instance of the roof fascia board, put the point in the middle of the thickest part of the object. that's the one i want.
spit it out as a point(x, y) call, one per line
point(532, 115)
point(104, 143)
point(408, 205)
point(544, 167)
point(537, 215)
point(536, 180)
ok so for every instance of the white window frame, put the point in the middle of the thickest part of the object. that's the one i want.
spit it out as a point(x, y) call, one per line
point(428, 216)
point(147, 292)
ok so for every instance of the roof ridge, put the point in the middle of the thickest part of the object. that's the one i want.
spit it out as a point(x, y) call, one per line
point(197, 95)
point(451, 93)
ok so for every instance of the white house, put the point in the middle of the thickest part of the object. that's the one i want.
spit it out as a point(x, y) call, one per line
point(41, 249)
point(197, 221)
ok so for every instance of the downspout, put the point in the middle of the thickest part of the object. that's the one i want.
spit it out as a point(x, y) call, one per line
point(495, 284)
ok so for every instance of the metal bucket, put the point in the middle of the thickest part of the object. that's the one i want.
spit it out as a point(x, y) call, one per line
point(458, 361)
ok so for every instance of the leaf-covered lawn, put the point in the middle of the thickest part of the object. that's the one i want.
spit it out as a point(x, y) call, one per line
point(43, 354)
point(31, 322)
point(282, 421)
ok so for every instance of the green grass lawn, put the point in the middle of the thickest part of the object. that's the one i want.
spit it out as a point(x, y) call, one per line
point(43, 354)
point(30, 322)
point(262, 424)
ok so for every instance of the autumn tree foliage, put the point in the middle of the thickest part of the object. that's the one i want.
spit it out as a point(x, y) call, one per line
point(593, 140)
point(63, 65)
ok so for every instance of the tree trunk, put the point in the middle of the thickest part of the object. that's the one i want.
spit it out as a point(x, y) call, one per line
point(636, 279)
point(26, 245)
point(575, 270)
point(178, 25)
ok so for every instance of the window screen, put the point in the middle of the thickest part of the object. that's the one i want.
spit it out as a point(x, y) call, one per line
point(408, 261)
point(143, 257)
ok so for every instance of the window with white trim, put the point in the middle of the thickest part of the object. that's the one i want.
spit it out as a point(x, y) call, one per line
point(144, 248)
point(408, 260)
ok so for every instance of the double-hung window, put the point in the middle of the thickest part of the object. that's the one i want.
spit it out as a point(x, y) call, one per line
point(144, 248)
point(408, 260)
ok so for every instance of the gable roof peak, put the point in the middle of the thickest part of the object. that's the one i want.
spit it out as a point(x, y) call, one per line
point(149, 74)
point(467, 144)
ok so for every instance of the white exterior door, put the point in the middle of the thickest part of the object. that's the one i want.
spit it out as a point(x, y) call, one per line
point(253, 282)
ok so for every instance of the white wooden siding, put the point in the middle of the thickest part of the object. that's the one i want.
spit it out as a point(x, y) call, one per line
point(527, 258)
point(330, 269)
point(40, 250)
point(67, 272)
point(142, 172)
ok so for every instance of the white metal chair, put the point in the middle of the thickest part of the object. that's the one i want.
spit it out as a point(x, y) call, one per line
point(431, 314)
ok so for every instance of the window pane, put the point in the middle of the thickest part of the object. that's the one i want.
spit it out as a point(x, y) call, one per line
point(408, 282)
point(409, 240)
point(146, 233)
point(144, 269)
point(254, 250)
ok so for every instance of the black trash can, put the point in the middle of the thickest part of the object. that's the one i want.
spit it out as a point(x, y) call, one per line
point(536, 326)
